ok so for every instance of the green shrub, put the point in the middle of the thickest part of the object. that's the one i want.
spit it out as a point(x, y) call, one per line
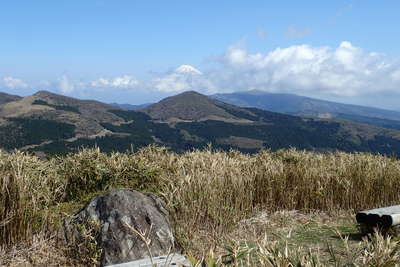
point(91, 171)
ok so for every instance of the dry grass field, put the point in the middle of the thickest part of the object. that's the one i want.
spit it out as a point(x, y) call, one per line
point(284, 208)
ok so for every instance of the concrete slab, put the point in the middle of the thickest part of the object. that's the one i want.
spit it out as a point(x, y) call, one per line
point(160, 261)
point(383, 211)
point(381, 217)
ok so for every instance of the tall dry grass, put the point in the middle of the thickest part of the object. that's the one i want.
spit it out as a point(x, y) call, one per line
point(207, 191)
point(373, 252)
point(31, 190)
point(91, 171)
point(28, 187)
point(214, 190)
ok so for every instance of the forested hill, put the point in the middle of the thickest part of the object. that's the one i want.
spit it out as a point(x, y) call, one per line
point(52, 123)
point(311, 107)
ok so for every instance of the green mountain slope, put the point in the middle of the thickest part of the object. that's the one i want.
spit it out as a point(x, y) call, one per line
point(250, 129)
point(187, 106)
point(5, 98)
point(310, 107)
point(57, 124)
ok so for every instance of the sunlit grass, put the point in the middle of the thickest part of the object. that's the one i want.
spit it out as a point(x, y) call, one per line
point(208, 192)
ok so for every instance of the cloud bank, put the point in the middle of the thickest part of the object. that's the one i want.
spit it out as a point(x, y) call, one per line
point(125, 81)
point(14, 83)
point(184, 78)
point(342, 71)
point(65, 85)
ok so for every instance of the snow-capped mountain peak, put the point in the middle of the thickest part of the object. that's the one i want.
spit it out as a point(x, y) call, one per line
point(187, 69)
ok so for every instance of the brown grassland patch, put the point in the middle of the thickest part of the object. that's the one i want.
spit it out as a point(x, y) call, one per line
point(279, 208)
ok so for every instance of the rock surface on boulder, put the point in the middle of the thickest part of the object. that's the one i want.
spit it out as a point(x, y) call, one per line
point(127, 220)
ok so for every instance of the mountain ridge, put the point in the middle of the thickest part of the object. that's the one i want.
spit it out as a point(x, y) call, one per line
point(5, 98)
point(130, 106)
point(189, 106)
point(50, 123)
point(301, 105)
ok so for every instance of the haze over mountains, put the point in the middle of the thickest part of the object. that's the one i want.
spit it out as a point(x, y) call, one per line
point(303, 106)
point(53, 124)
point(311, 107)
point(130, 106)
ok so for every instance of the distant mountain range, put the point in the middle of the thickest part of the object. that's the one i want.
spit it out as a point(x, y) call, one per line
point(131, 107)
point(51, 124)
point(311, 107)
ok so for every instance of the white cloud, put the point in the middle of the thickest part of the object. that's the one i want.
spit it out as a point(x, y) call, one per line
point(14, 83)
point(396, 75)
point(324, 71)
point(316, 71)
point(173, 82)
point(184, 78)
point(124, 81)
point(65, 84)
point(344, 71)
point(101, 82)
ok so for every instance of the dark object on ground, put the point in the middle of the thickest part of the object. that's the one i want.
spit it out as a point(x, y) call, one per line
point(128, 225)
point(386, 220)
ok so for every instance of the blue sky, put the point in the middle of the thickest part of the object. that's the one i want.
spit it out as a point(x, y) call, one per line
point(132, 51)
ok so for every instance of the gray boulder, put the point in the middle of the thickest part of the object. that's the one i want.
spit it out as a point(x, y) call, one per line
point(127, 225)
